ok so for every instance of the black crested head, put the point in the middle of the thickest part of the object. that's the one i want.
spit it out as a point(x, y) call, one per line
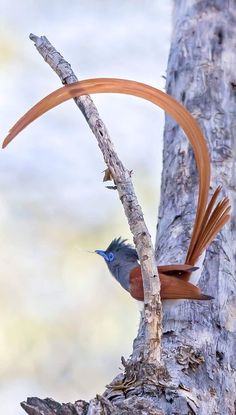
point(119, 245)
point(120, 258)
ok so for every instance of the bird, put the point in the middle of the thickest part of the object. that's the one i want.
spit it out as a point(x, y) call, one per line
point(122, 261)
point(210, 217)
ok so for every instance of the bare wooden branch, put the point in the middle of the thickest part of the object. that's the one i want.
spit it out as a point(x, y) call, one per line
point(149, 344)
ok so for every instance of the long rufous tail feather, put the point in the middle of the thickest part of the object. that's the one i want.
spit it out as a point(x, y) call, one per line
point(165, 101)
point(213, 221)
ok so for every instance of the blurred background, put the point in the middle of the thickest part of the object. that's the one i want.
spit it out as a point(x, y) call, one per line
point(64, 322)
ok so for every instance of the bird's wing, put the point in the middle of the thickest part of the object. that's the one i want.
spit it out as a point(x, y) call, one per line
point(172, 288)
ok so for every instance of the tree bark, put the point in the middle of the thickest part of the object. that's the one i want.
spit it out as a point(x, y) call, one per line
point(199, 341)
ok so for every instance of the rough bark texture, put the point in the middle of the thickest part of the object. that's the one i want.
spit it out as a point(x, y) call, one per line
point(199, 342)
point(199, 339)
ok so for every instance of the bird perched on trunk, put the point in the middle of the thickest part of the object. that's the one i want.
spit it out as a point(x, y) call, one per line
point(122, 261)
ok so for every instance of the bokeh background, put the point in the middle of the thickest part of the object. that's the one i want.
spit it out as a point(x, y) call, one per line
point(64, 322)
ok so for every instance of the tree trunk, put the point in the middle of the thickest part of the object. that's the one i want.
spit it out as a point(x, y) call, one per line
point(197, 373)
point(199, 339)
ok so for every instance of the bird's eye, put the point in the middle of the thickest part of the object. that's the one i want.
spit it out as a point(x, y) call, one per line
point(110, 257)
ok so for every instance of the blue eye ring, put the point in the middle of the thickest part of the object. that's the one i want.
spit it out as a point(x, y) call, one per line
point(110, 257)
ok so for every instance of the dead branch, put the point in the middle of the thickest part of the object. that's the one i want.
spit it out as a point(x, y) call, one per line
point(149, 344)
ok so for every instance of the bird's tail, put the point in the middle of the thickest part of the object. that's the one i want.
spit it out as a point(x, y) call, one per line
point(215, 217)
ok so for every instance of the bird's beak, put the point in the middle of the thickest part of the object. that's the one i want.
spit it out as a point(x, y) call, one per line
point(102, 253)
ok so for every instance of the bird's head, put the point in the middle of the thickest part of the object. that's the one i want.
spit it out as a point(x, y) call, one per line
point(120, 258)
